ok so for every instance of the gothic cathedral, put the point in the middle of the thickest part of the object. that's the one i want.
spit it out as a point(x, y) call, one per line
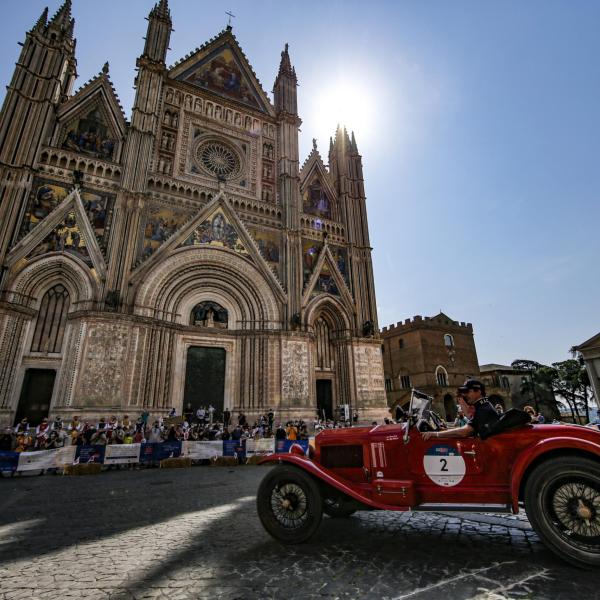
point(182, 258)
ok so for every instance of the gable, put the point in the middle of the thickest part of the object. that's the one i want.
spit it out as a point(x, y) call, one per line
point(326, 278)
point(73, 227)
point(318, 196)
point(216, 230)
point(216, 225)
point(92, 122)
point(221, 68)
point(65, 237)
point(46, 195)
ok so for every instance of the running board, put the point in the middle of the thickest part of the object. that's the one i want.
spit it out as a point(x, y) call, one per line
point(491, 508)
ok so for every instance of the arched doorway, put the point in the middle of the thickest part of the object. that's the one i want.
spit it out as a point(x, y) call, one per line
point(325, 365)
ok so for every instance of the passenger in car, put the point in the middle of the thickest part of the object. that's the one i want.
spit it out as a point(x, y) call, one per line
point(483, 419)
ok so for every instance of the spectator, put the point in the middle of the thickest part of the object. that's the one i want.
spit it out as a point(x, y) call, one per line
point(241, 419)
point(499, 408)
point(23, 426)
point(101, 423)
point(155, 434)
point(291, 432)
point(460, 420)
point(280, 433)
point(8, 440)
point(226, 417)
point(211, 412)
point(144, 417)
point(75, 424)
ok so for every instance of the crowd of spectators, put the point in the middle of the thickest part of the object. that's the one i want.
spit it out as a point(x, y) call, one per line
point(201, 426)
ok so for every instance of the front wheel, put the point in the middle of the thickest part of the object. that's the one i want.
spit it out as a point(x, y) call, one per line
point(289, 504)
point(562, 500)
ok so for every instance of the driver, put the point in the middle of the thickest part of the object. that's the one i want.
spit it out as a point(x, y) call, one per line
point(485, 415)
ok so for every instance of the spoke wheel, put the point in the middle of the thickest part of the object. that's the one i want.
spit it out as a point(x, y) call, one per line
point(562, 499)
point(289, 504)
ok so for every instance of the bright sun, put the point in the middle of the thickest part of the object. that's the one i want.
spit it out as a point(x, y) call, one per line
point(347, 104)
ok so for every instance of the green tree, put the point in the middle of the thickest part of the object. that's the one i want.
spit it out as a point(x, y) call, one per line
point(537, 385)
point(572, 383)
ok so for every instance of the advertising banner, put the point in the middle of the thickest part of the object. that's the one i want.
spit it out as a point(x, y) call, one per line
point(202, 450)
point(234, 448)
point(88, 454)
point(65, 456)
point(34, 461)
point(282, 446)
point(159, 451)
point(9, 461)
point(263, 446)
point(122, 454)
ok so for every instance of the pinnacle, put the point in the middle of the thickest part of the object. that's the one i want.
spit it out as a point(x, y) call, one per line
point(285, 66)
point(353, 145)
point(161, 10)
point(42, 21)
point(62, 18)
point(105, 68)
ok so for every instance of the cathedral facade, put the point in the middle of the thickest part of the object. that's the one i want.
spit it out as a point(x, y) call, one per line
point(184, 257)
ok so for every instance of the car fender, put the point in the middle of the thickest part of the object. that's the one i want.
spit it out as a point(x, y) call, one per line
point(542, 447)
point(317, 471)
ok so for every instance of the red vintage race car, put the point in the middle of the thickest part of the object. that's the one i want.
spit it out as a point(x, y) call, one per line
point(551, 470)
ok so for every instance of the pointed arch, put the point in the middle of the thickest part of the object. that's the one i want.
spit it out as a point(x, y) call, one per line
point(332, 310)
point(195, 274)
point(36, 277)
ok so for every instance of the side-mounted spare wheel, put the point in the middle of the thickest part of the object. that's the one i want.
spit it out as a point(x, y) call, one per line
point(562, 500)
point(289, 504)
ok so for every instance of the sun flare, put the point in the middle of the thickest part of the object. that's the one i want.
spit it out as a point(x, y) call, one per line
point(346, 104)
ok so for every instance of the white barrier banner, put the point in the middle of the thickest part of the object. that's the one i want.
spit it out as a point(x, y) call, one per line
point(201, 450)
point(34, 461)
point(65, 456)
point(122, 454)
point(260, 446)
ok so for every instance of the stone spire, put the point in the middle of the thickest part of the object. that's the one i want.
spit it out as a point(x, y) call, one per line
point(285, 66)
point(159, 33)
point(62, 18)
point(161, 10)
point(353, 145)
point(286, 82)
point(42, 21)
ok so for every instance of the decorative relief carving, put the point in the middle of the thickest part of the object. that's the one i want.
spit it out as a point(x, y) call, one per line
point(369, 374)
point(104, 365)
point(295, 372)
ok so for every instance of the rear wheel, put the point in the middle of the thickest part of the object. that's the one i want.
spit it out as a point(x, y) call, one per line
point(289, 504)
point(562, 500)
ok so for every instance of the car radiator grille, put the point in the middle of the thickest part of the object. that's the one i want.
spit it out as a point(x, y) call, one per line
point(341, 457)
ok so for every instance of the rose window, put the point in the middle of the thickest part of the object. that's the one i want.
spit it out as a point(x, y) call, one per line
point(218, 159)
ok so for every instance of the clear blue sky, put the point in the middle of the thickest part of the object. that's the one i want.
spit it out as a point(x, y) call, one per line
point(479, 129)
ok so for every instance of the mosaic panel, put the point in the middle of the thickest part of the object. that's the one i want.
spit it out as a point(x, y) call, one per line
point(46, 195)
point(161, 223)
point(216, 231)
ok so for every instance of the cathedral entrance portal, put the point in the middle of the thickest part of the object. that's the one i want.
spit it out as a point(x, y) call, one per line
point(36, 395)
point(204, 379)
point(324, 398)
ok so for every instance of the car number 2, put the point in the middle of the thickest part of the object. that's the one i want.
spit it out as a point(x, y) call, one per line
point(444, 465)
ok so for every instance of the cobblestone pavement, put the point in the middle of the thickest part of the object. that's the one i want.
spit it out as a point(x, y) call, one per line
point(194, 533)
